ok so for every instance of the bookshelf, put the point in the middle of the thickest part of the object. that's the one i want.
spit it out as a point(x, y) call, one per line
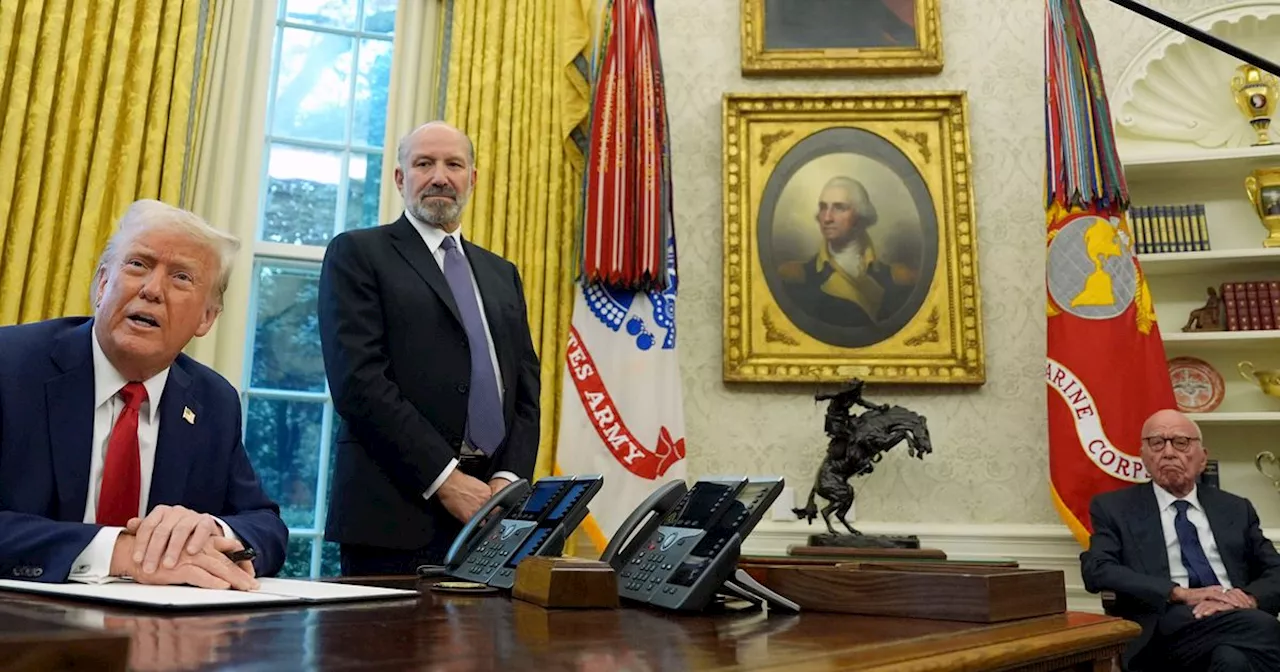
point(1247, 421)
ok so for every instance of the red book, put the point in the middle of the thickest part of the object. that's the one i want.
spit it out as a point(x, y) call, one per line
point(1228, 292)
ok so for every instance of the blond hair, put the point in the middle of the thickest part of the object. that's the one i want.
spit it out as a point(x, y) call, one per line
point(149, 214)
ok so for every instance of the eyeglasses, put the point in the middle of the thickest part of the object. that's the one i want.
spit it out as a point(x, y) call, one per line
point(1180, 443)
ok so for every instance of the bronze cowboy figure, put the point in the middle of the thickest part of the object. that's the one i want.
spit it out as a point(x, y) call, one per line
point(857, 443)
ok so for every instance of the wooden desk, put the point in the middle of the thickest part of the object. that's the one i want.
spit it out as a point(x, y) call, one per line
point(28, 641)
point(456, 633)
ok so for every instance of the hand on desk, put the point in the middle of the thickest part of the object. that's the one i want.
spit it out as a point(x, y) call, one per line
point(463, 495)
point(165, 531)
point(208, 568)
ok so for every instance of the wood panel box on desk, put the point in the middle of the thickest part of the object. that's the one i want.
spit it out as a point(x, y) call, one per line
point(962, 592)
point(566, 582)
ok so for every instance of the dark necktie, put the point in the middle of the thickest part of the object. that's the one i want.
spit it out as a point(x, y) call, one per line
point(485, 425)
point(1199, 571)
point(121, 489)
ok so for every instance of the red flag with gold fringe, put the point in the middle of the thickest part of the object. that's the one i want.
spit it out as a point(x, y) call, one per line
point(1106, 369)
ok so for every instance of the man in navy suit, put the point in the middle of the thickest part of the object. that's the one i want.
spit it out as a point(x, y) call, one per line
point(120, 456)
point(1189, 564)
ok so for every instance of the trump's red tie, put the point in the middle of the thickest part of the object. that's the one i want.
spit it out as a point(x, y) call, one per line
point(122, 470)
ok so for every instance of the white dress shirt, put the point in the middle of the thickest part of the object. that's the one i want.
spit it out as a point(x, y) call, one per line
point(434, 237)
point(1195, 514)
point(94, 562)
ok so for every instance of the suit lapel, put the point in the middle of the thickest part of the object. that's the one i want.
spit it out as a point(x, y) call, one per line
point(1221, 526)
point(177, 441)
point(1149, 531)
point(492, 289)
point(408, 242)
point(69, 400)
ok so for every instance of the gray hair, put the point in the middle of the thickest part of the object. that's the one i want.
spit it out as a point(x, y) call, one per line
point(148, 214)
point(861, 200)
point(402, 148)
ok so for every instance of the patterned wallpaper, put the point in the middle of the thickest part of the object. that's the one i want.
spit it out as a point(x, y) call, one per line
point(989, 463)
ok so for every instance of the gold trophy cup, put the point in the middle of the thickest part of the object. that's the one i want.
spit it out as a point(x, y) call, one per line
point(1267, 379)
point(1263, 188)
point(1256, 93)
point(1264, 459)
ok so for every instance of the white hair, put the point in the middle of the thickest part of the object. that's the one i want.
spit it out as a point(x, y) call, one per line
point(148, 214)
point(861, 200)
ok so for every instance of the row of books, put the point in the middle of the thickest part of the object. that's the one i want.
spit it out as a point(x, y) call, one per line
point(1169, 228)
point(1251, 306)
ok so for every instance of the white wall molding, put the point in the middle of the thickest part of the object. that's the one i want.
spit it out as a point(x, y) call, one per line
point(1032, 546)
point(1176, 91)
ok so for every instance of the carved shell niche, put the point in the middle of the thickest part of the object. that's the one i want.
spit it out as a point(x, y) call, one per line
point(1177, 91)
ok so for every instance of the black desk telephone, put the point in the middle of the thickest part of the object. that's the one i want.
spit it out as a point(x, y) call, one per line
point(688, 551)
point(535, 520)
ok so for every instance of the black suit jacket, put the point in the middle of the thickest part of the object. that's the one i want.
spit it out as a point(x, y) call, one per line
point(399, 369)
point(1127, 554)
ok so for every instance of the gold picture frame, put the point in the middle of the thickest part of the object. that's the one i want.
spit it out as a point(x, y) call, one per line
point(812, 181)
point(841, 37)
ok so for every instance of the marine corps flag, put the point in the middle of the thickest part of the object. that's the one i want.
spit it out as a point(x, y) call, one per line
point(1105, 369)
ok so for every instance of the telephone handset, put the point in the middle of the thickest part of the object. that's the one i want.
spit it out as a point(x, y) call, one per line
point(535, 520)
point(684, 556)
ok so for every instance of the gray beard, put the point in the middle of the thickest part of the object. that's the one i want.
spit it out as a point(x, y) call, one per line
point(437, 215)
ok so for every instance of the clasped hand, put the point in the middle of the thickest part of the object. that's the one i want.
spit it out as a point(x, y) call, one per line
point(1215, 599)
point(175, 545)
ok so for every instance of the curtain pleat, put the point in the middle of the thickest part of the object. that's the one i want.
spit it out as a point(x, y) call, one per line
point(99, 99)
point(505, 83)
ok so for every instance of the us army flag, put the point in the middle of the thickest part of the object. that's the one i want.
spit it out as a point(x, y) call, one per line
point(622, 413)
point(1106, 369)
point(621, 409)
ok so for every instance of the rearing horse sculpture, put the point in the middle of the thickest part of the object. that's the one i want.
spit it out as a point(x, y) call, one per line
point(857, 443)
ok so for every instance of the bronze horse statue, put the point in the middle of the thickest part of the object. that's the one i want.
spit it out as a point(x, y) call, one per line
point(857, 443)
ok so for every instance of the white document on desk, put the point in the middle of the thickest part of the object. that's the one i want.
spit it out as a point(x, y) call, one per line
point(271, 592)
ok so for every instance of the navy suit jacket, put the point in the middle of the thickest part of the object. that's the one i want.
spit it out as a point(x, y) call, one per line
point(46, 428)
point(1127, 554)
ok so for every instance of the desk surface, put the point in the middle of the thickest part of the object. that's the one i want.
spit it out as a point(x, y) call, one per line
point(457, 632)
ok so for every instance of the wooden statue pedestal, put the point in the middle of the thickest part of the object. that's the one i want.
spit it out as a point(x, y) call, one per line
point(933, 590)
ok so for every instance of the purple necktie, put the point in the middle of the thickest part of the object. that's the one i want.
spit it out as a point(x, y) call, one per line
point(485, 425)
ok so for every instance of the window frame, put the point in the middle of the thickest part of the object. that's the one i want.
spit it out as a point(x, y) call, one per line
point(305, 256)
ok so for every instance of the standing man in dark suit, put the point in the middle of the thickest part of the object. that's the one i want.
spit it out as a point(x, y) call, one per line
point(120, 456)
point(431, 366)
point(1188, 564)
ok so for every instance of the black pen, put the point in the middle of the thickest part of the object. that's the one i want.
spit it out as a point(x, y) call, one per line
point(241, 556)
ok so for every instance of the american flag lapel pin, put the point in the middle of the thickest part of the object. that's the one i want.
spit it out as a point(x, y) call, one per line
point(188, 415)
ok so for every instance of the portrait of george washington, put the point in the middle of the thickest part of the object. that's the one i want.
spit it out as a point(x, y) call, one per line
point(847, 237)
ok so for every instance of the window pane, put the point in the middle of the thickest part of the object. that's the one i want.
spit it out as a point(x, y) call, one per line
point(302, 195)
point(330, 560)
point(363, 189)
point(283, 442)
point(379, 16)
point(297, 559)
point(370, 121)
point(331, 13)
point(313, 86)
point(286, 338)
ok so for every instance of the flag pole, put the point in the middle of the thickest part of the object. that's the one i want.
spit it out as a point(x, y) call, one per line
point(1200, 36)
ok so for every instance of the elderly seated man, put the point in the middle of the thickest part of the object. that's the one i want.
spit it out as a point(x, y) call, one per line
point(119, 455)
point(1188, 564)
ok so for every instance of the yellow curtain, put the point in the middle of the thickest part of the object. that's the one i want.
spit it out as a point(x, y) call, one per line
point(512, 85)
point(99, 103)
